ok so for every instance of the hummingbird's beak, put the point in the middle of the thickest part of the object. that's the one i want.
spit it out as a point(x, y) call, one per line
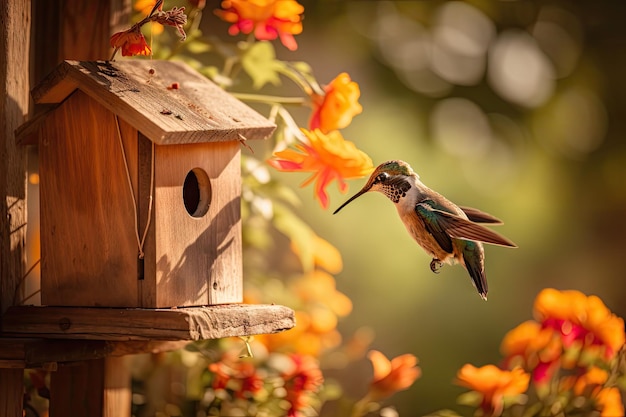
point(354, 197)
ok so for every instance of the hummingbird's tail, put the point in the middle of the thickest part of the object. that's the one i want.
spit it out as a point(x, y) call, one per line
point(474, 262)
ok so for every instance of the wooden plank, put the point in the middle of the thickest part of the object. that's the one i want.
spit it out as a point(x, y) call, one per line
point(77, 389)
point(14, 105)
point(11, 394)
point(199, 259)
point(197, 111)
point(88, 244)
point(193, 323)
point(46, 353)
point(14, 47)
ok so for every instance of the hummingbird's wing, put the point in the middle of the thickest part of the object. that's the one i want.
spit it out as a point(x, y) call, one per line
point(478, 216)
point(431, 219)
point(443, 226)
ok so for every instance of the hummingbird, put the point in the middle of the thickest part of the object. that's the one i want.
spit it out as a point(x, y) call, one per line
point(447, 232)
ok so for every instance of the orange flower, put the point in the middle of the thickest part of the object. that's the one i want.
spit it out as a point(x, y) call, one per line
point(319, 288)
point(131, 41)
point(324, 254)
point(493, 384)
point(329, 157)
point(608, 400)
point(268, 19)
point(145, 7)
point(580, 318)
point(391, 376)
point(534, 348)
point(336, 108)
point(318, 308)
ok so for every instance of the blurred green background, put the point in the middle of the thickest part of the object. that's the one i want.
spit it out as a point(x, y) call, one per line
point(513, 107)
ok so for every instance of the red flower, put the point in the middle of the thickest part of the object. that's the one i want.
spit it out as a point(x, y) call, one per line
point(239, 376)
point(302, 380)
point(268, 19)
point(131, 41)
point(580, 318)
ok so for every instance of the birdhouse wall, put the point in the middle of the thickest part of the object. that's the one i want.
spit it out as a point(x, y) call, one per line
point(88, 245)
point(195, 260)
point(88, 224)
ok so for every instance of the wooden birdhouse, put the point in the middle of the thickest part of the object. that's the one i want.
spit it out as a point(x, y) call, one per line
point(140, 186)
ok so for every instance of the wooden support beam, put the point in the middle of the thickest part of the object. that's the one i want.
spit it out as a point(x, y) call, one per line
point(48, 353)
point(14, 106)
point(190, 323)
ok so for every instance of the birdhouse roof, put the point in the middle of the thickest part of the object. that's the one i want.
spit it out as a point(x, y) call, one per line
point(167, 101)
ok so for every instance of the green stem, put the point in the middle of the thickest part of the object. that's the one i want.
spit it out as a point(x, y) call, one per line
point(362, 407)
point(262, 98)
point(298, 79)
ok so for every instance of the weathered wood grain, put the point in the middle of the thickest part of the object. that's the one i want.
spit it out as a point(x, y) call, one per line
point(77, 389)
point(198, 259)
point(195, 111)
point(20, 353)
point(89, 248)
point(192, 323)
point(14, 106)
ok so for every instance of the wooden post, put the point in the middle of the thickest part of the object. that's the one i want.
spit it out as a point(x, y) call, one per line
point(77, 389)
point(14, 103)
point(80, 30)
point(117, 395)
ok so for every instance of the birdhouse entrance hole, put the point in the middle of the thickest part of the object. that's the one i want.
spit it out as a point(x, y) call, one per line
point(197, 192)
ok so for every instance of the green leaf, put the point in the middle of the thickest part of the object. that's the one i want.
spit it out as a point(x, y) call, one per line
point(298, 232)
point(260, 62)
point(331, 390)
point(197, 46)
point(302, 67)
point(471, 398)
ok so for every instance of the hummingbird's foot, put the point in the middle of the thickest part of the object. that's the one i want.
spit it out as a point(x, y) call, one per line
point(435, 265)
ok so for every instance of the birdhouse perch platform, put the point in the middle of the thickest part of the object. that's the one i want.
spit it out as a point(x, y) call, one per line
point(125, 324)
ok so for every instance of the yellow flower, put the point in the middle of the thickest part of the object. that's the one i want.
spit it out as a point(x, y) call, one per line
point(268, 19)
point(329, 157)
point(493, 384)
point(336, 108)
point(391, 376)
point(580, 318)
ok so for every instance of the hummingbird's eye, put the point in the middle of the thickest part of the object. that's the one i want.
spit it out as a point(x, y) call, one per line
point(382, 177)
